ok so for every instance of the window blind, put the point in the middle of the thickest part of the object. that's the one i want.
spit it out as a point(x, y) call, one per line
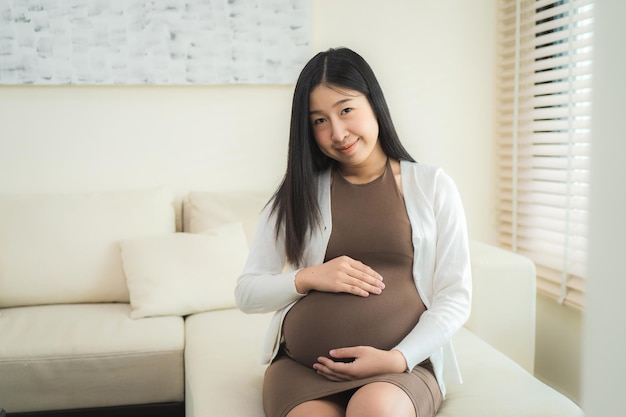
point(544, 138)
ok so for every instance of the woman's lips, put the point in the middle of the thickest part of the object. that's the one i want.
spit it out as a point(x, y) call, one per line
point(349, 148)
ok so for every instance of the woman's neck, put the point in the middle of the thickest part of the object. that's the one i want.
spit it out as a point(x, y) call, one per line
point(364, 173)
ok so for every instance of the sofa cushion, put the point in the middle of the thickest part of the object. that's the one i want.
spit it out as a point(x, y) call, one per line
point(226, 378)
point(496, 386)
point(64, 248)
point(223, 372)
point(183, 273)
point(203, 210)
point(88, 355)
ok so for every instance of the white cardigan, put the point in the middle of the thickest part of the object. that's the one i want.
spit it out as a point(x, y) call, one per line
point(441, 268)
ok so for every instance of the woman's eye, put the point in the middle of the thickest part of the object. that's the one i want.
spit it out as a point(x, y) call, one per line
point(346, 110)
point(318, 121)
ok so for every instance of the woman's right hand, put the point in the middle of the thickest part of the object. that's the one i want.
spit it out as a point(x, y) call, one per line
point(341, 274)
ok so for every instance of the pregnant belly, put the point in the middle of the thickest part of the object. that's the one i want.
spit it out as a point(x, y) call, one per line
point(323, 321)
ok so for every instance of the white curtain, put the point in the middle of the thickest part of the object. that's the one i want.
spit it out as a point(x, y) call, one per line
point(544, 138)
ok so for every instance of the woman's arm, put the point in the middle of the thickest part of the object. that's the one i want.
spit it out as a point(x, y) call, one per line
point(450, 305)
point(264, 285)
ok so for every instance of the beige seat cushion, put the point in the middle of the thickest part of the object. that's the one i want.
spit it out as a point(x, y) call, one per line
point(224, 375)
point(496, 386)
point(223, 371)
point(88, 355)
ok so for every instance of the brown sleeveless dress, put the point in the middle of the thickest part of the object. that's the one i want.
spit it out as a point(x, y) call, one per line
point(370, 224)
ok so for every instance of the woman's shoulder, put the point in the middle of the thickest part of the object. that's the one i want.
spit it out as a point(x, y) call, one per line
point(420, 170)
point(426, 177)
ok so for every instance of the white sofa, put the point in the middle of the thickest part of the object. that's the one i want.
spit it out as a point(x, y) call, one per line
point(104, 304)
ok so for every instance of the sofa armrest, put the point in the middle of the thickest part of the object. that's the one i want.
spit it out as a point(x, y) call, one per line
point(504, 301)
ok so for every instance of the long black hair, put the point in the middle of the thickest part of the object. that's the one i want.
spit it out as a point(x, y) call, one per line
point(295, 202)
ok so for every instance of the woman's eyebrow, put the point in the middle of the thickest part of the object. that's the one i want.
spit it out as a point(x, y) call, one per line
point(337, 104)
point(343, 101)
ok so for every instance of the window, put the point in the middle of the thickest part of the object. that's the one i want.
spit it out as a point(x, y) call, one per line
point(544, 138)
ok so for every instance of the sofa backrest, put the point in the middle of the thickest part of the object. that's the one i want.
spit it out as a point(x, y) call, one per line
point(64, 248)
point(204, 210)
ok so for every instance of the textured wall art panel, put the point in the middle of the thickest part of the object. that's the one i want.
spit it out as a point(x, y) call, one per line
point(153, 41)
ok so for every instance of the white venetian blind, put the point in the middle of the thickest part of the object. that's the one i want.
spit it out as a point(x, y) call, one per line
point(543, 138)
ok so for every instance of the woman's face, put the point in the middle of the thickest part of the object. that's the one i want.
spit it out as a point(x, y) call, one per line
point(345, 126)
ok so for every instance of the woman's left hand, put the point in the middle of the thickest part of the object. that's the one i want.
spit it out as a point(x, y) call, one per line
point(367, 361)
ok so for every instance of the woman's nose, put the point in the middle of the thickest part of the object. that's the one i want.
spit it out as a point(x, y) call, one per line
point(339, 132)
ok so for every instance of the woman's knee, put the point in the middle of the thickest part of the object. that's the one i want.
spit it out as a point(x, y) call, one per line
point(380, 399)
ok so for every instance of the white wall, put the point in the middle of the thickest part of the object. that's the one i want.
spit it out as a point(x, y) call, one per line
point(100, 138)
point(558, 349)
point(605, 338)
point(434, 60)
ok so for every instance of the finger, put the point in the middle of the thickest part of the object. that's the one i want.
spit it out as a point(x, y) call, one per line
point(345, 353)
point(357, 278)
point(328, 373)
point(330, 377)
point(366, 278)
point(356, 290)
point(366, 273)
point(337, 368)
point(330, 366)
point(325, 362)
point(323, 370)
point(359, 286)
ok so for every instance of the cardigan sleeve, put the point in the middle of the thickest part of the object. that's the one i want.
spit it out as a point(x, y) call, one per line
point(264, 285)
point(448, 306)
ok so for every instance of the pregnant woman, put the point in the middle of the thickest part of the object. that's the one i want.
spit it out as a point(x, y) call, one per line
point(362, 253)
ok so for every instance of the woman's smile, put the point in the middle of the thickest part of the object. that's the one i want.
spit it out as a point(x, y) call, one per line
point(348, 148)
